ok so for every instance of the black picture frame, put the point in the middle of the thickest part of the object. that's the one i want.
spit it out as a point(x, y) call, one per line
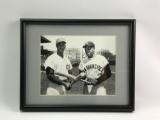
point(131, 23)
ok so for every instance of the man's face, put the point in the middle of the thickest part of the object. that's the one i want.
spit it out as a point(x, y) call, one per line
point(89, 50)
point(61, 47)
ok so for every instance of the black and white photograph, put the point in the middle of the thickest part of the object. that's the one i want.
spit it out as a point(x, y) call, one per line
point(77, 65)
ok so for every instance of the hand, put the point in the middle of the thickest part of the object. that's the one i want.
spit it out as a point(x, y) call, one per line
point(77, 79)
point(82, 74)
point(93, 81)
point(70, 80)
point(66, 85)
point(71, 84)
point(68, 88)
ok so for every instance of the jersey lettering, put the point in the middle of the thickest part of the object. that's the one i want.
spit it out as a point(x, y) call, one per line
point(93, 66)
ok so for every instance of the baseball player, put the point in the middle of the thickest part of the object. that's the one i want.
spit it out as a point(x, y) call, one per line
point(54, 63)
point(95, 68)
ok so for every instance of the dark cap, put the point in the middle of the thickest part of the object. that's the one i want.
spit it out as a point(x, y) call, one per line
point(89, 43)
point(60, 40)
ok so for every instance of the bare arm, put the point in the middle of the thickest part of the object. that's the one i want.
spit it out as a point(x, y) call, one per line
point(79, 77)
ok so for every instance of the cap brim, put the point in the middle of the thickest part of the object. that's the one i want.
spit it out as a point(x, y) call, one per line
point(61, 42)
point(87, 45)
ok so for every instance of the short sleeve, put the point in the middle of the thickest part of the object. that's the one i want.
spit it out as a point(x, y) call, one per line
point(49, 63)
point(104, 61)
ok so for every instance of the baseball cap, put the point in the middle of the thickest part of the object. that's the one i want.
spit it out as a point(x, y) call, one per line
point(89, 43)
point(60, 40)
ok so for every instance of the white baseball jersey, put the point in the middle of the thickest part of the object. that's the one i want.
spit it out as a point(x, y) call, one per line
point(58, 63)
point(93, 67)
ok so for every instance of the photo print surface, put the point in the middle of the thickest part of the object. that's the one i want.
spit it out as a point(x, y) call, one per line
point(77, 65)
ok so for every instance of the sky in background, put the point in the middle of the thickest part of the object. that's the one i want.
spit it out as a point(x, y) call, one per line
point(101, 42)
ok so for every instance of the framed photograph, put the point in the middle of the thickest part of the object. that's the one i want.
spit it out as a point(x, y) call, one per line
point(77, 65)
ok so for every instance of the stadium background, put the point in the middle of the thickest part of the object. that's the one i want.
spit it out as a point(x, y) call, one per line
point(75, 55)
